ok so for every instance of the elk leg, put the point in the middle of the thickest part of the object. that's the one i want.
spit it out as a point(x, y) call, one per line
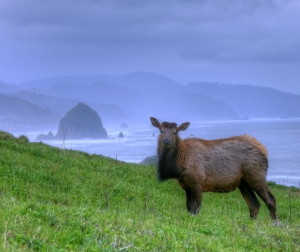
point(272, 209)
point(268, 198)
point(193, 200)
point(250, 198)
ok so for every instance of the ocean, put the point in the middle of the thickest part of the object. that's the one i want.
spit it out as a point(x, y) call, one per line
point(280, 136)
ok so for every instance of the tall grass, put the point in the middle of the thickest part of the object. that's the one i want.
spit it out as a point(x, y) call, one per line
point(60, 200)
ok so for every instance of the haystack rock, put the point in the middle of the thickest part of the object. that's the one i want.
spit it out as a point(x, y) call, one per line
point(43, 137)
point(81, 122)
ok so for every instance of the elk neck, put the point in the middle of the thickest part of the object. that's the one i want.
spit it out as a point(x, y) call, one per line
point(167, 167)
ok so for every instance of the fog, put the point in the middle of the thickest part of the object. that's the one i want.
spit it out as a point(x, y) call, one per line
point(242, 42)
point(128, 60)
point(207, 62)
point(125, 103)
point(134, 97)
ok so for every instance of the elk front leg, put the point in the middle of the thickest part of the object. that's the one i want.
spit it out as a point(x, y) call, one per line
point(193, 200)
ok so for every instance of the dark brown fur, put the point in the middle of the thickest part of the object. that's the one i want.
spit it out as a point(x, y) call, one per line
point(219, 165)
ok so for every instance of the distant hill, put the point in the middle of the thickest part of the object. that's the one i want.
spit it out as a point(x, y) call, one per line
point(111, 100)
point(136, 96)
point(143, 94)
point(153, 83)
point(197, 106)
point(110, 113)
point(251, 101)
point(16, 113)
point(8, 88)
point(45, 83)
point(135, 80)
point(55, 105)
point(100, 92)
point(60, 106)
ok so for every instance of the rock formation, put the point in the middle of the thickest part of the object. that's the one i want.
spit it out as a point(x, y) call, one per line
point(81, 122)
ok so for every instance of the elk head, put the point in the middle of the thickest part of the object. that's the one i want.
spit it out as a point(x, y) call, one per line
point(168, 131)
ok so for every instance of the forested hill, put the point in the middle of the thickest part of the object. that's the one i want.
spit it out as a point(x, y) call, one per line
point(15, 112)
point(251, 101)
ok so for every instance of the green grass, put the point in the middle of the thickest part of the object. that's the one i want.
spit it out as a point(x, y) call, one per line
point(60, 200)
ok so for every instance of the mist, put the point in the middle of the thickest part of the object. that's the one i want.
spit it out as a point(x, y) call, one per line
point(241, 42)
point(134, 97)
point(223, 66)
point(125, 104)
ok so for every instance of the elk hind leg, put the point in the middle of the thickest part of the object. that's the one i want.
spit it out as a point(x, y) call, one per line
point(268, 198)
point(250, 198)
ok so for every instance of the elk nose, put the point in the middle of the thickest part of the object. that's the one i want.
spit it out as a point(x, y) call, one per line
point(166, 141)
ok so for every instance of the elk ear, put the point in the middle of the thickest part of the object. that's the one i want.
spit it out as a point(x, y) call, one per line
point(155, 122)
point(183, 126)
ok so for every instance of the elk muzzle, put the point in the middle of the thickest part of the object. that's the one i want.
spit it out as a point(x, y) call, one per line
point(166, 141)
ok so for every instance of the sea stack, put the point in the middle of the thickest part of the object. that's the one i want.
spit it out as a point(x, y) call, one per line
point(81, 122)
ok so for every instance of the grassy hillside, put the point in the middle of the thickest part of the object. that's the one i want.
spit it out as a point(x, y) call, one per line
point(59, 200)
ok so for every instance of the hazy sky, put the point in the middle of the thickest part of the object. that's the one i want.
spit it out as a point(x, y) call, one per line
point(236, 41)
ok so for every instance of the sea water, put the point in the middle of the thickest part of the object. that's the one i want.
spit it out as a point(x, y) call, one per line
point(281, 137)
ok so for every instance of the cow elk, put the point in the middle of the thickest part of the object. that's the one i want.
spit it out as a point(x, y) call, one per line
point(219, 165)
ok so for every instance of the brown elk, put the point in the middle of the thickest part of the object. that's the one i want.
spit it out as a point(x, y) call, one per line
point(219, 165)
